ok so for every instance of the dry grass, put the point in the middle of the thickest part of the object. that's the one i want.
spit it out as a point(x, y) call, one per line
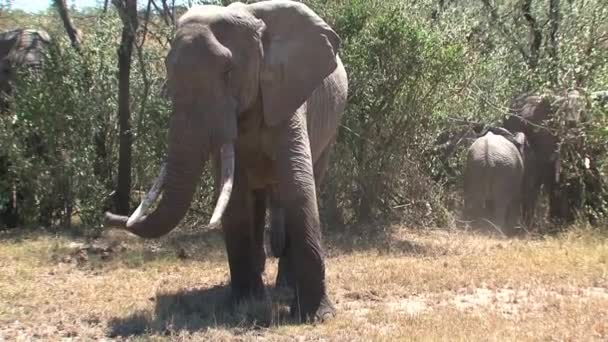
point(400, 285)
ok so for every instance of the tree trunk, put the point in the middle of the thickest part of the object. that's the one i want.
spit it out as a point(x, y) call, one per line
point(536, 35)
point(128, 15)
point(554, 18)
point(68, 24)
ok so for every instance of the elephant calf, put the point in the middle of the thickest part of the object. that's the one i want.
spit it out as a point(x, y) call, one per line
point(495, 179)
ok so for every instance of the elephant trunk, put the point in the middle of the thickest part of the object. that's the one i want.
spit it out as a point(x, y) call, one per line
point(188, 152)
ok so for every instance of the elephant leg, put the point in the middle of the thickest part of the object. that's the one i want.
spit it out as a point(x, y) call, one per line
point(279, 242)
point(284, 274)
point(474, 207)
point(259, 221)
point(277, 225)
point(485, 215)
point(557, 210)
point(499, 212)
point(319, 169)
point(474, 195)
point(243, 243)
point(298, 198)
point(512, 217)
point(530, 199)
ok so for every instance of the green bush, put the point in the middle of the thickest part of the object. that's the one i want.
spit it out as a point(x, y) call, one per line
point(62, 136)
point(399, 75)
point(422, 75)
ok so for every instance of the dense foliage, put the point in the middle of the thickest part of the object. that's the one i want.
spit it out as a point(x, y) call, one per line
point(421, 74)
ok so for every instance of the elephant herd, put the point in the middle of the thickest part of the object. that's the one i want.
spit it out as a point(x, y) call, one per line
point(259, 90)
point(507, 166)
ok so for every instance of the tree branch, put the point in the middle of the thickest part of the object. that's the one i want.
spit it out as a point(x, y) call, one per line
point(73, 33)
point(536, 35)
point(505, 30)
point(554, 19)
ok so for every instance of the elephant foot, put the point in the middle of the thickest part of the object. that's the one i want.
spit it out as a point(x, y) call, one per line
point(254, 289)
point(309, 312)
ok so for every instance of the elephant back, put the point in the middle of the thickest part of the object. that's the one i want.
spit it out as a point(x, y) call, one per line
point(495, 151)
point(503, 132)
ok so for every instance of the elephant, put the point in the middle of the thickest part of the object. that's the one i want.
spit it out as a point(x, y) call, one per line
point(21, 47)
point(259, 90)
point(18, 48)
point(495, 179)
point(531, 115)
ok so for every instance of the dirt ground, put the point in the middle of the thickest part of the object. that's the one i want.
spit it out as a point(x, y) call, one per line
point(400, 284)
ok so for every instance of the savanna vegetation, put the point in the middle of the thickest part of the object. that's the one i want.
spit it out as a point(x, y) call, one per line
point(421, 73)
point(424, 76)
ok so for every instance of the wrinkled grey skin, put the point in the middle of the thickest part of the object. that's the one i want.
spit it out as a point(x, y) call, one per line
point(531, 115)
point(278, 240)
point(494, 180)
point(22, 47)
point(264, 78)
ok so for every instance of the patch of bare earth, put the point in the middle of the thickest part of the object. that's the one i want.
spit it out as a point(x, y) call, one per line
point(403, 285)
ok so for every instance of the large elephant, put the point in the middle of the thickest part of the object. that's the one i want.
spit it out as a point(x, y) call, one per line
point(18, 48)
point(259, 88)
point(531, 114)
point(495, 179)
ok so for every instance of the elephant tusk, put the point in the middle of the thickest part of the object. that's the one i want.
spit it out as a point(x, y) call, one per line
point(150, 197)
point(227, 165)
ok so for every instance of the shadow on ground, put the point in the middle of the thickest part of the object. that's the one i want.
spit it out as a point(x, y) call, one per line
point(199, 309)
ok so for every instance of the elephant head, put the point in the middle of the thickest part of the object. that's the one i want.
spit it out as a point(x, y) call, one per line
point(532, 114)
point(223, 63)
point(22, 47)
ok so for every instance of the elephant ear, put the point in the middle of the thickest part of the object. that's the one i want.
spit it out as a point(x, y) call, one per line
point(522, 144)
point(7, 41)
point(299, 52)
